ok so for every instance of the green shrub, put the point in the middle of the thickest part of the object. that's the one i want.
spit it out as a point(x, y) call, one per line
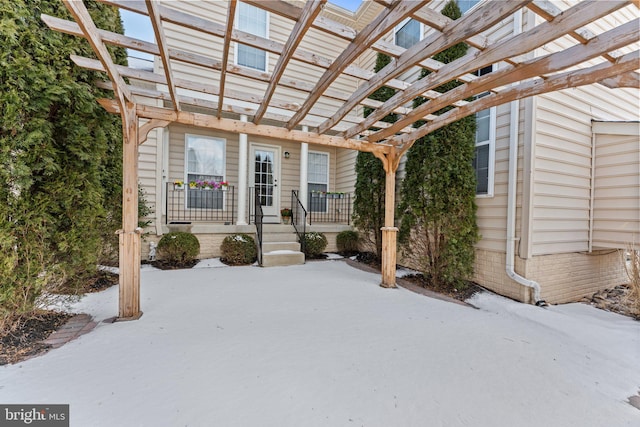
point(348, 241)
point(238, 249)
point(178, 248)
point(314, 244)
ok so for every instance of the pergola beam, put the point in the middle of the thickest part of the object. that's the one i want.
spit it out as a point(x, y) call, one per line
point(152, 9)
point(513, 46)
point(453, 33)
point(569, 79)
point(311, 10)
point(388, 19)
point(231, 13)
point(552, 63)
point(230, 125)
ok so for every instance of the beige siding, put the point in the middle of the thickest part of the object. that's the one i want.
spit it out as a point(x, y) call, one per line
point(616, 209)
point(279, 28)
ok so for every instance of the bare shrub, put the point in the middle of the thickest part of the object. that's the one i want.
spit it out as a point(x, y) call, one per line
point(632, 264)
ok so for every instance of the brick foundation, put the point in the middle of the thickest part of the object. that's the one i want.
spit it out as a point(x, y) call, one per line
point(562, 277)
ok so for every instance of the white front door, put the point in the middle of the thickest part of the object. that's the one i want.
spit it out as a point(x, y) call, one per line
point(265, 179)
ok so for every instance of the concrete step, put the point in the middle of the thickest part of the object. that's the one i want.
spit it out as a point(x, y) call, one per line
point(282, 258)
point(279, 237)
point(280, 246)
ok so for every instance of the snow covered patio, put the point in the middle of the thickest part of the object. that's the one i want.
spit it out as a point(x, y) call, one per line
point(323, 345)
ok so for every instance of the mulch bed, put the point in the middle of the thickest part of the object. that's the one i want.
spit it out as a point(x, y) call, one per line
point(418, 283)
point(26, 340)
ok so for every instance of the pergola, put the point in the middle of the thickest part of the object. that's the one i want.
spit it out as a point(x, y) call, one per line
point(610, 58)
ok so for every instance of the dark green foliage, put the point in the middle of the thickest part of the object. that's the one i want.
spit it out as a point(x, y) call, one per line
point(238, 249)
point(178, 248)
point(59, 154)
point(368, 203)
point(314, 244)
point(348, 241)
point(437, 208)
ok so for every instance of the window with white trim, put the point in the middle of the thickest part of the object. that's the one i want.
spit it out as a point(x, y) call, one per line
point(466, 5)
point(318, 181)
point(251, 19)
point(483, 161)
point(408, 33)
point(205, 161)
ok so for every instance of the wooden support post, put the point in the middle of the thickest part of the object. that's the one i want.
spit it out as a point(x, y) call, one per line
point(389, 231)
point(129, 236)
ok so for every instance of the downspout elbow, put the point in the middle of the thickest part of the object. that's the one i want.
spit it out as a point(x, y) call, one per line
point(528, 283)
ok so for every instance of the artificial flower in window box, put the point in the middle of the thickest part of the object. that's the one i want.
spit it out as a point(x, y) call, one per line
point(178, 185)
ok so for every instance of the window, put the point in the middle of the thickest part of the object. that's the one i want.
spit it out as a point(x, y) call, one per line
point(485, 144)
point(466, 5)
point(205, 159)
point(318, 181)
point(252, 20)
point(408, 33)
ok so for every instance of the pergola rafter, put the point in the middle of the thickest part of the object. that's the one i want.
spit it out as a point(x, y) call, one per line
point(328, 112)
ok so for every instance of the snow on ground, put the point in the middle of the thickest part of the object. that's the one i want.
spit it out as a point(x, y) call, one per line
point(322, 344)
point(210, 263)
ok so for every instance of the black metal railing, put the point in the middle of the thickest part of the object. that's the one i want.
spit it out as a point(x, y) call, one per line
point(258, 217)
point(199, 205)
point(298, 218)
point(329, 208)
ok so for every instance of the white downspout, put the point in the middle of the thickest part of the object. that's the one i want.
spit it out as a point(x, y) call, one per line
point(512, 188)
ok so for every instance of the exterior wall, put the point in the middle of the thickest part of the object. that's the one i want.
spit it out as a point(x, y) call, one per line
point(616, 196)
point(563, 278)
point(279, 28)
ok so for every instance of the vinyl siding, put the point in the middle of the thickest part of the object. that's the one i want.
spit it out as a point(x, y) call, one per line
point(321, 44)
point(616, 210)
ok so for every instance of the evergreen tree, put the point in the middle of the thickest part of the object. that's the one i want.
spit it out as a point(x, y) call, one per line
point(368, 204)
point(437, 208)
point(60, 154)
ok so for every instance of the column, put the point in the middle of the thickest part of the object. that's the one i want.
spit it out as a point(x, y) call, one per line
point(129, 235)
point(304, 166)
point(243, 158)
point(389, 231)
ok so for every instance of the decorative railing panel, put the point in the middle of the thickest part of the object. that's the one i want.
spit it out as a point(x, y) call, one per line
point(329, 208)
point(186, 204)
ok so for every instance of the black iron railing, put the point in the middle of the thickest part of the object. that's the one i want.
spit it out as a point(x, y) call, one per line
point(186, 204)
point(329, 208)
point(258, 217)
point(298, 218)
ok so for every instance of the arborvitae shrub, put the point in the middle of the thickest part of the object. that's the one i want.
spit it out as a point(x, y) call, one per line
point(314, 244)
point(348, 241)
point(178, 248)
point(238, 249)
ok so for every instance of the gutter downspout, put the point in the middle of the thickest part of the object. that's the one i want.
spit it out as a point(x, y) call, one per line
point(512, 189)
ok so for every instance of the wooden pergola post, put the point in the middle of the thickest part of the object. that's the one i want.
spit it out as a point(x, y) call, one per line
point(389, 231)
point(129, 235)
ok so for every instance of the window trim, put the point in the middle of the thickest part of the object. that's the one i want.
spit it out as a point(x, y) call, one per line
point(491, 142)
point(186, 163)
point(236, 44)
point(324, 153)
point(401, 25)
point(475, 6)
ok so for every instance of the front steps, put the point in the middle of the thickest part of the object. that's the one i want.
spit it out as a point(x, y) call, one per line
point(280, 246)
